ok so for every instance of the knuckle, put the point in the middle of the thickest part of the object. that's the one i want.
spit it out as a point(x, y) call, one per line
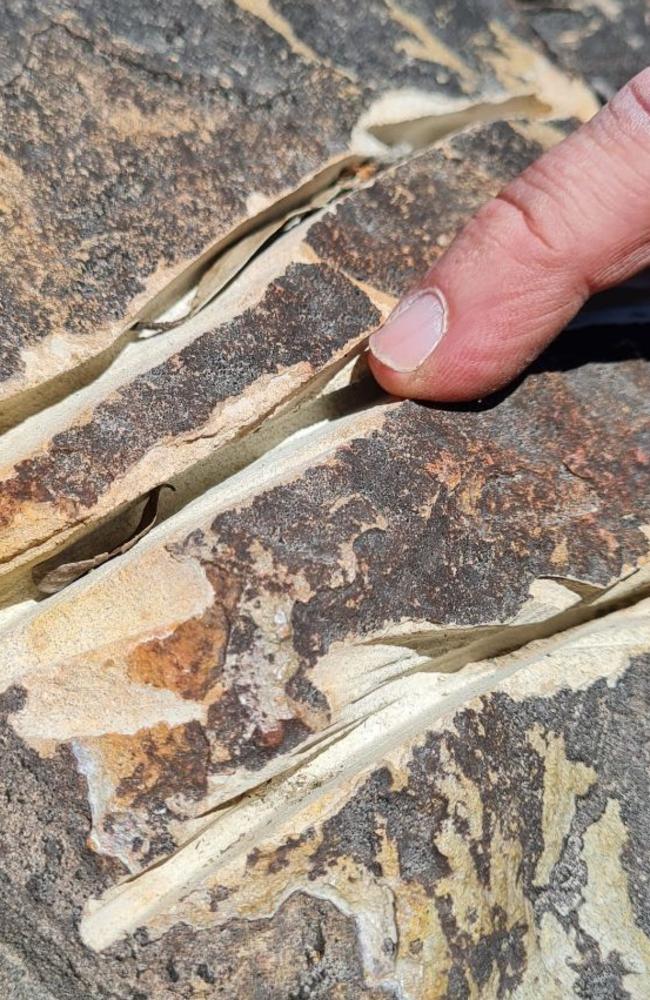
point(639, 87)
point(526, 208)
point(631, 106)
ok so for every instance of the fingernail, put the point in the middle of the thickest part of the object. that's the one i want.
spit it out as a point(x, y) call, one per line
point(412, 331)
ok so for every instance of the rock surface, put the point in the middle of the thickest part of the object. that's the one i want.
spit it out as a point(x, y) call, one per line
point(496, 847)
point(497, 850)
point(606, 41)
point(366, 716)
point(295, 315)
point(273, 637)
point(134, 141)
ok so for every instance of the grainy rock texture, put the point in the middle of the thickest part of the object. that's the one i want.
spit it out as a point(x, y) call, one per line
point(499, 849)
point(607, 42)
point(296, 314)
point(291, 608)
point(135, 138)
point(367, 719)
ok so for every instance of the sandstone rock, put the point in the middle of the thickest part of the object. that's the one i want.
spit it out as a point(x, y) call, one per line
point(137, 140)
point(483, 832)
point(325, 598)
point(606, 42)
point(296, 315)
point(496, 848)
point(365, 717)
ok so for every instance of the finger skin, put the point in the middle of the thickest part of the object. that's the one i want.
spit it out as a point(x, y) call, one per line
point(575, 222)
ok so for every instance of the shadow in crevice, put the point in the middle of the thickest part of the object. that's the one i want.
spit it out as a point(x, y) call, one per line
point(592, 338)
point(612, 327)
point(576, 348)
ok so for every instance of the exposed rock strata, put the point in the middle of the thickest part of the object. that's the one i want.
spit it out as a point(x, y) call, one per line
point(367, 720)
point(318, 596)
point(294, 316)
point(135, 139)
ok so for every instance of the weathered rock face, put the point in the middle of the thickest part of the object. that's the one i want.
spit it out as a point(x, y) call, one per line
point(366, 716)
point(229, 636)
point(500, 851)
point(134, 140)
point(495, 848)
point(296, 315)
point(605, 42)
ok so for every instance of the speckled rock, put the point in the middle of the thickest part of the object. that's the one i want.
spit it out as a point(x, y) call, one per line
point(606, 41)
point(490, 841)
point(288, 614)
point(366, 716)
point(295, 316)
point(237, 634)
point(494, 849)
point(134, 139)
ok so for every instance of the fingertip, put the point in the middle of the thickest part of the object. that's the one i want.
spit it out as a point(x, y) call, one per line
point(422, 353)
point(392, 382)
point(473, 361)
point(412, 331)
point(434, 381)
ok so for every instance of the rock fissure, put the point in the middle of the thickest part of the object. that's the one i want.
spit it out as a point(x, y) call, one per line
point(267, 812)
point(366, 714)
point(245, 278)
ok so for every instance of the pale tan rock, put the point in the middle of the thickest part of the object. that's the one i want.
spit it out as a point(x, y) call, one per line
point(441, 841)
